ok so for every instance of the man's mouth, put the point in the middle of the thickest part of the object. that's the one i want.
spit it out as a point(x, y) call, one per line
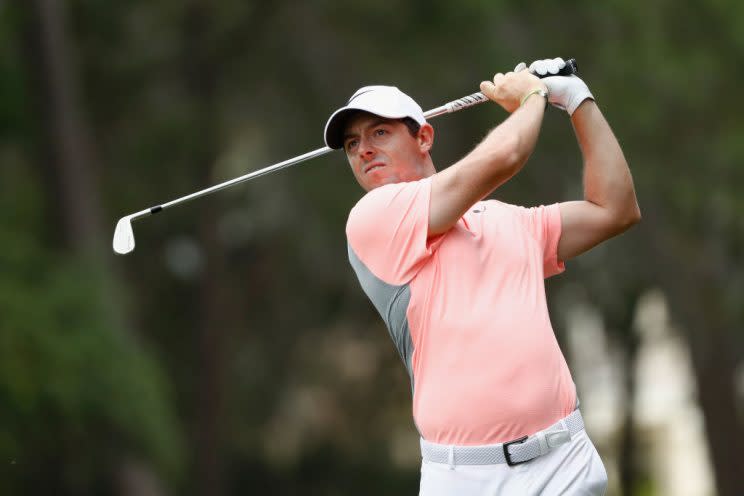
point(373, 166)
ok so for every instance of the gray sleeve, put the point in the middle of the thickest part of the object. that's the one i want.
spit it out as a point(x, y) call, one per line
point(391, 303)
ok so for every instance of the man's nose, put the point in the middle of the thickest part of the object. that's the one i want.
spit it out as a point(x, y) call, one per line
point(366, 150)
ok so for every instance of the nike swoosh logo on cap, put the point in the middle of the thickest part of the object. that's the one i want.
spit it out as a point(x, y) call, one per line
point(358, 95)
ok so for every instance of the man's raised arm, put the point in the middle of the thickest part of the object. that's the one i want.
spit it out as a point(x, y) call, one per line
point(497, 158)
point(609, 206)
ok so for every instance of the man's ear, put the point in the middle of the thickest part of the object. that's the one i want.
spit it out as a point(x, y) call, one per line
point(425, 137)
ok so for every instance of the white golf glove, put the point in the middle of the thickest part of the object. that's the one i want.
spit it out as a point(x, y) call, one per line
point(564, 92)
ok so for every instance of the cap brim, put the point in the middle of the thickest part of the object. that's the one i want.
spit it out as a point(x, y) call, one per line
point(334, 131)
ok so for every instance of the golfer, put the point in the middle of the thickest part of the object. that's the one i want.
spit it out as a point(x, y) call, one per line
point(458, 280)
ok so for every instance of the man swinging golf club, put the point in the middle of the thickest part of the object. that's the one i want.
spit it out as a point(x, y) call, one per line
point(458, 280)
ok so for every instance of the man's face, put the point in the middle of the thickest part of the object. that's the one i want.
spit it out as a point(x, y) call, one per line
point(382, 151)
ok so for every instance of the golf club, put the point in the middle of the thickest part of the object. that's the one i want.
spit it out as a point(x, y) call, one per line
point(124, 235)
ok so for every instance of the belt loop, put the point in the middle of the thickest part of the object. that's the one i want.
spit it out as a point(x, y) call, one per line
point(542, 439)
point(451, 457)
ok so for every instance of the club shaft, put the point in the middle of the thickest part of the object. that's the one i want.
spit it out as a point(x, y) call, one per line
point(247, 177)
point(453, 106)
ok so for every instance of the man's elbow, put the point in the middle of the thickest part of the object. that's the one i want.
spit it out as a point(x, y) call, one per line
point(636, 217)
point(628, 218)
point(511, 154)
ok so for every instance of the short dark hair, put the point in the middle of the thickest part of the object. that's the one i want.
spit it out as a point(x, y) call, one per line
point(412, 125)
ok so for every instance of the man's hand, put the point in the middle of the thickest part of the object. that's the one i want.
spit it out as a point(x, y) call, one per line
point(509, 89)
point(565, 92)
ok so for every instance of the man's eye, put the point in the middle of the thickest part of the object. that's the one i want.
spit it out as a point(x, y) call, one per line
point(379, 132)
point(351, 144)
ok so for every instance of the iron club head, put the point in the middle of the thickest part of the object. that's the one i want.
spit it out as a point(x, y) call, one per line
point(124, 236)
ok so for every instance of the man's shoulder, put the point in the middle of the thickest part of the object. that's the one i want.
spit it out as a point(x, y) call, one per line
point(387, 209)
point(383, 195)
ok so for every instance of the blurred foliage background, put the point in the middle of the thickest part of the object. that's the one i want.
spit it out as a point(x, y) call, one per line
point(233, 350)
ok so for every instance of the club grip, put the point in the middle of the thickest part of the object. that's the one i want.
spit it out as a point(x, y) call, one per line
point(571, 67)
point(466, 101)
point(476, 98)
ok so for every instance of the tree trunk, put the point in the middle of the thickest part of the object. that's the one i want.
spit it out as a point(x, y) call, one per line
point(620, 309)
point(201, 79)
point(627, 465)
point(715, 378)
point(67, 160)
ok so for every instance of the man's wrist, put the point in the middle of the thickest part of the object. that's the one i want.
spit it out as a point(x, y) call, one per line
point(582, 107)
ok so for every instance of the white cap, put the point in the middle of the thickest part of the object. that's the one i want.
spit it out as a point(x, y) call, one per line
point(385, 101)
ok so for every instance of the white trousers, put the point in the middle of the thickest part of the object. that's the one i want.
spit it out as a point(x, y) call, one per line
point(574, 468)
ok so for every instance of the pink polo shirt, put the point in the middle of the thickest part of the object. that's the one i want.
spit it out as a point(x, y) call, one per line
point(467, 311)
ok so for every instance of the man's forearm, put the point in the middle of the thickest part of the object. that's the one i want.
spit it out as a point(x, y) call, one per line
point(506, 148)
point(496, 159)
point(607, 179)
